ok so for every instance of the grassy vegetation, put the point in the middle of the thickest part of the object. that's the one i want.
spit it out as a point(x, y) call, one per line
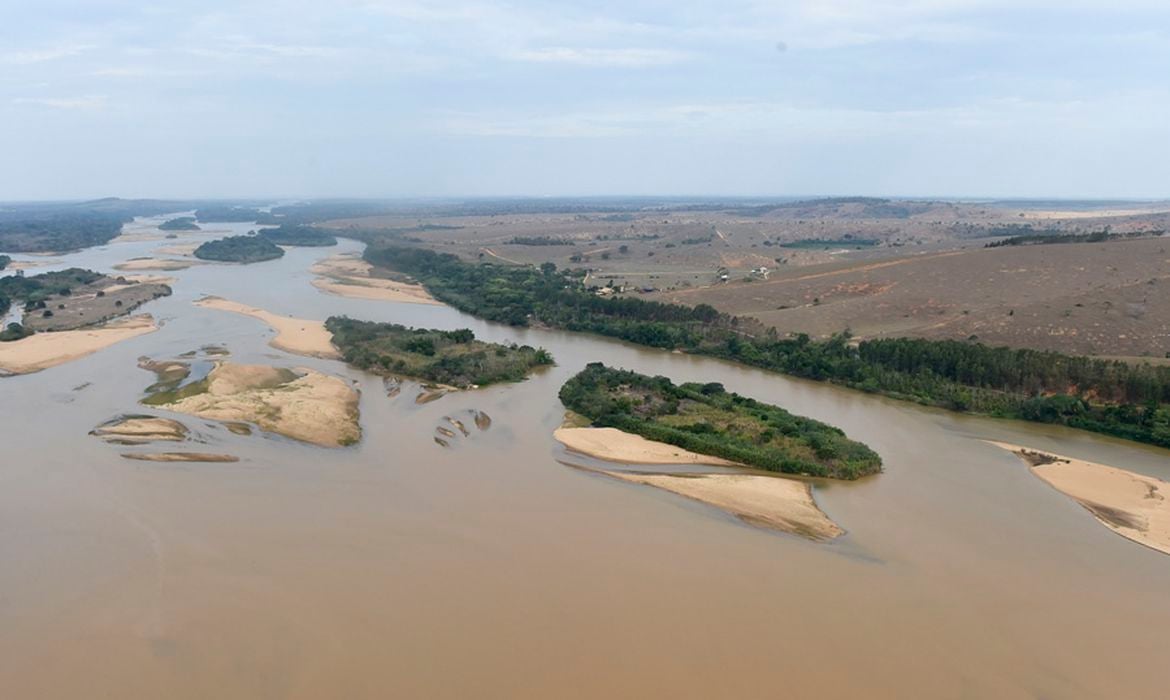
point(705, 418)
point(1115, 398)
point(35, 289)
point(297, 235)
point(240, 249)
point(454, 358)
point(182, 223)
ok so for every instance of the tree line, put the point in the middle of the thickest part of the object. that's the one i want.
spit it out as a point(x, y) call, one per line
point(1112, 397)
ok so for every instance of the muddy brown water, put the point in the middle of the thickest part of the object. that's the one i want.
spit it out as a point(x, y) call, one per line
point(398, 568)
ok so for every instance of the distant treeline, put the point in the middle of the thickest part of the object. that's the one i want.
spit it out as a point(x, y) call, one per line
point(819, 243)
point(1130, 401)
point(1046, 238)
point(240, 249)
point(4, 260)
point(182, 223)
point(539, 241)
point(705, 418)
point(228, 214)
point(454, 358)
point(297, 235)
point(57, 231)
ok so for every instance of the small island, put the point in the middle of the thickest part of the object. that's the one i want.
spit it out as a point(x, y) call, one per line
point(239, 249)
point(708, 420)
point(71, 299)
point(182, 223)
point(294, 235)
point(452, 358)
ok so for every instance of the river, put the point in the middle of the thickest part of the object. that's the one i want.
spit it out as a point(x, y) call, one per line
point(398, 568)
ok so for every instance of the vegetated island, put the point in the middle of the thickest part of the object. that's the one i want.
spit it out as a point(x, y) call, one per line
point(239, 249)
point(297, 235)
point(1106, 396)
point(1132, 505)
point(182, 223)
point(302, 404)
point(69, 314)
point(706, 419)
point(452, 358)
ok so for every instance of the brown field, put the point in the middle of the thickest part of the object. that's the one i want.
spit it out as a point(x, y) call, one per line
point(885, 268)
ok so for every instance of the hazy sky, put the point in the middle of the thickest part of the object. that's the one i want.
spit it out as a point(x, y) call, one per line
point(416, 97)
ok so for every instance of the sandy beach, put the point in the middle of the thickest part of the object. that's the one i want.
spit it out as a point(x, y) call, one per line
point(1132, 505)
point(349, 276)
point(304, 405)
point(44, 350)
point(613, 445)
point(296, 335)
point(772, 502)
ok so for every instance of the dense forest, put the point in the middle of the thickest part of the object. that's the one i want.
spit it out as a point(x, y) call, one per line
point(297, 235)
point(454, 358)
point(705, 418)
point(241, 249)
point(56, 231)
point(1129, 401)
point(182, 223)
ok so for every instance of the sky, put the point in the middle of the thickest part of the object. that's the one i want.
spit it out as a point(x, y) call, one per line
point(409, 98)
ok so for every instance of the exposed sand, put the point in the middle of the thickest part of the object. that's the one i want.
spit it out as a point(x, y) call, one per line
point(29, 264)
point(140, 430)
point(312, 407)
point(49, 349)
point(160, 264)
point(613, 445)
point(349, 276)
point(766, 501)
point(177, 249)
point(1132, 505)
point(180, 457)
point(296, 335)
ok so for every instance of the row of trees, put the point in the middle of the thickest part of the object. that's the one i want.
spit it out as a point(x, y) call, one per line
point(240, 249)
point(705, 418)
point(1130, 401)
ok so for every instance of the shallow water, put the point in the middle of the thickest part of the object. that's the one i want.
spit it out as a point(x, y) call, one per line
point(398, 568)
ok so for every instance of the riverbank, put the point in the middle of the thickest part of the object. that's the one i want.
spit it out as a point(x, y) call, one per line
point(296, 335)
point(49, 349)
point(1132, 505)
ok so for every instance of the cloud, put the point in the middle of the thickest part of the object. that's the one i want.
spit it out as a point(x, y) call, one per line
point(28, 57)
point(617, 58)
point(86, 102)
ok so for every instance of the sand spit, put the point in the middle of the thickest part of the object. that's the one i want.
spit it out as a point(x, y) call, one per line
point(179, 457)
point(772, 502)
point(44, 350)
point(765, 501)
point(1132, 505)
point(138, 430)
point(613, 445)
point(304, 405)
point(349, 276)
point(159, 264)
point(296, 335)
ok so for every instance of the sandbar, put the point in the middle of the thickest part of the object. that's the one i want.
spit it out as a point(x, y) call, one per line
point(1132, 505)
point(613, 445)
point(304, 404)
point(180, 457)
point(49, 349)
point(772, 502)
point(160, 264)
point(348, 276)
point(296, 335)
point(141, 430)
